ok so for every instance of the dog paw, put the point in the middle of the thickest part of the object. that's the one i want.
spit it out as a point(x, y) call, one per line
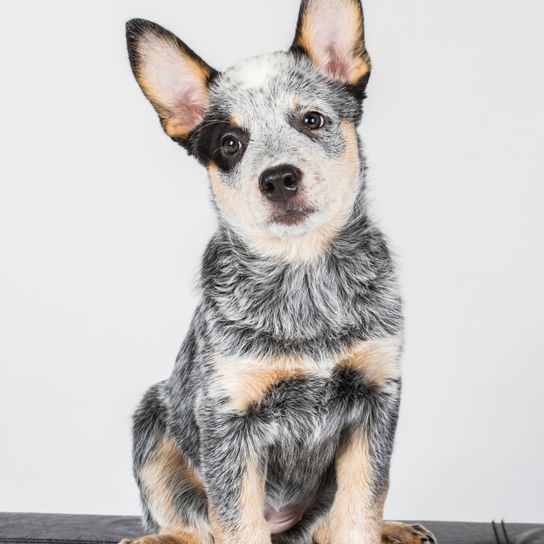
point(153, 539)
point(402, 533)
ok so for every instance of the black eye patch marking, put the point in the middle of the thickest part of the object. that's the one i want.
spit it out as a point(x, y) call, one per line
point(220, 142)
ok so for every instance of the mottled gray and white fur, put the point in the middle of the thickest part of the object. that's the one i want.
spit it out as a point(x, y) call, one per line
point(277, 423)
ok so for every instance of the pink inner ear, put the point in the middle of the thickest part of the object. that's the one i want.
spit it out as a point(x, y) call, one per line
point(336, 67)
point(190, 107)
point(334, 32)
point(174, 81)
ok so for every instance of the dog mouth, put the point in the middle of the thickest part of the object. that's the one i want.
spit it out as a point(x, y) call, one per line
point(292, 216)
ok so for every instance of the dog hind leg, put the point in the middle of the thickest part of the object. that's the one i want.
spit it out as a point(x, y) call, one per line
point(173, 496)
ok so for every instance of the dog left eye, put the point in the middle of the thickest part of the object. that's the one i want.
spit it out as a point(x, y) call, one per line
point(313, 120)
point(230, 145)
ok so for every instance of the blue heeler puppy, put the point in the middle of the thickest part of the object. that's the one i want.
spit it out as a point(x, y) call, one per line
point(277, 423)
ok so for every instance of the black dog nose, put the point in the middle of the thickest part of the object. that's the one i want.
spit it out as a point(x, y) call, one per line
point(280, 183)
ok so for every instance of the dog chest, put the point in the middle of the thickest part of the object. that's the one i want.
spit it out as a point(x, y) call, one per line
point(303, 383)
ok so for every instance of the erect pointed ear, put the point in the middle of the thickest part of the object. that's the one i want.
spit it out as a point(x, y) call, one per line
point(331, 33)
point(172, 76)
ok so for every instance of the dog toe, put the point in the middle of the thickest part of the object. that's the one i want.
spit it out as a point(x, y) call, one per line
point(402, 533)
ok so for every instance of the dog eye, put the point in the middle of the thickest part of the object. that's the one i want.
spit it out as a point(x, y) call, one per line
point(313, 120)
point(230, 145)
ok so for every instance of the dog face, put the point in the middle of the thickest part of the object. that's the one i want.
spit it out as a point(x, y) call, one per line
point(277, 132)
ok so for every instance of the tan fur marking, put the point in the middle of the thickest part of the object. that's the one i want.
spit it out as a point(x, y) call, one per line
point(253, 526)
point(176, 128)
point(378, 360)
point(219, 533)
point(322, 534)
point(394, 532)
point(225, 195)
point(359, 70)
point(257, 384)
point(252, 499)
point(310, 246)
point(179, 536)
point(235, 120)
point(167, 464)
point(354, 516)
point(292, 100)
point(189, 536)
point(247, 381)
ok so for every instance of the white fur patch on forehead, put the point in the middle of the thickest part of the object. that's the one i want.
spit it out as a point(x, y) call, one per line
point(332, 33)
point(256, 72)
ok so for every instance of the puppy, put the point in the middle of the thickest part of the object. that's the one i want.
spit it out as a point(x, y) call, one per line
point(278, 420)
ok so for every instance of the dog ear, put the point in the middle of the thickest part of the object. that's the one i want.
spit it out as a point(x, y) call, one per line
point(331, 33)
point(171, 75)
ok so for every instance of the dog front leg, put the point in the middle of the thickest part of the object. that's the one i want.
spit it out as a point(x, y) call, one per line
point(356, 513)
point(235, 476)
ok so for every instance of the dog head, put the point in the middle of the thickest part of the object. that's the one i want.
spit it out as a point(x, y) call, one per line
point(276, 132)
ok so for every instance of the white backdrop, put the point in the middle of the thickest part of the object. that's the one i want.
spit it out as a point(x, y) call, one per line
point(103, 221)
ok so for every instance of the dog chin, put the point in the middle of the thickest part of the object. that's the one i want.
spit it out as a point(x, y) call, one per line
point(294, 223)
point(292, 216)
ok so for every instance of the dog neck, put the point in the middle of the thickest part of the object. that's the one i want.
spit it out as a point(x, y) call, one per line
point(336, 295)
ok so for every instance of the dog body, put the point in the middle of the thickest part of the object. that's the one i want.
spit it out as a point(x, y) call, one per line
point(278, 421)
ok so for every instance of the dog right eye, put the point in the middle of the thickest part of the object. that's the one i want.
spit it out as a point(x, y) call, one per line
point(313, 120)
point(230, 145)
